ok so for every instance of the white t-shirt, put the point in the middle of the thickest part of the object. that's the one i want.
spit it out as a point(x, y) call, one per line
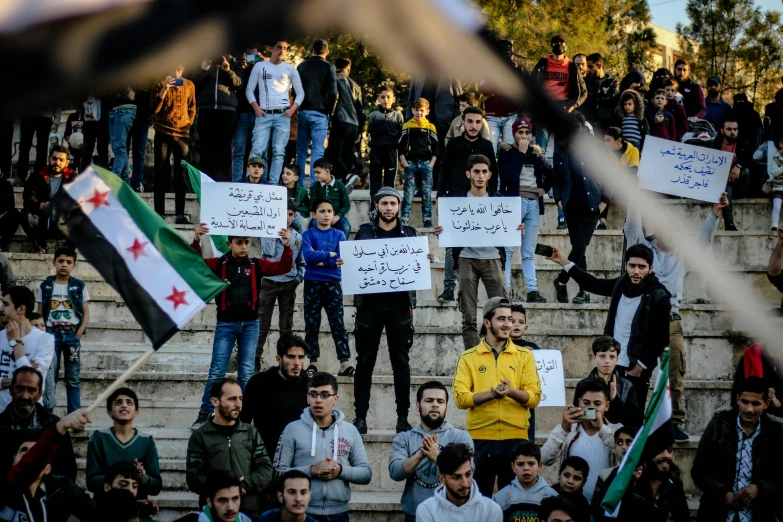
point(595, 452)
point(273, 82)
point(38, 348)
point(60, 308)
point(626, 310)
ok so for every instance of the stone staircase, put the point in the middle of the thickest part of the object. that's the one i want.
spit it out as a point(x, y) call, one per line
point(170, 385)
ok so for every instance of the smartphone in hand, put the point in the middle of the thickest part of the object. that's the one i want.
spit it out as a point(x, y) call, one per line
point(544, 250)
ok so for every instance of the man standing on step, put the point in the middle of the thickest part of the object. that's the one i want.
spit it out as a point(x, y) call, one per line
point(497, 383)
point(737, 466)
point(327, 449)
point(474, 264)
point(639, 315)
point(670, 270)
point(225, 443)
point(452, 180)
point(392, 311)
point(25, 419)
point(414, 457)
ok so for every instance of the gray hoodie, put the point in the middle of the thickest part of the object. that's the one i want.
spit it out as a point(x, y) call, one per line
point(519, 503)
point(420, 485)
point(478, 508)
point(303, 444)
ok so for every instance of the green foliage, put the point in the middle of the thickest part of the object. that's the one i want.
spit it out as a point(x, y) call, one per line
point(735, 41)
point(737, 338)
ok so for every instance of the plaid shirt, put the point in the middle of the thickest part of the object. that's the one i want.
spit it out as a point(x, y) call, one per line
point(33, 424)
point(744, 470)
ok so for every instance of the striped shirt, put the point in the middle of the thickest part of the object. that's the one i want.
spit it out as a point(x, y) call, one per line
point(744, 470)
point(631, 131)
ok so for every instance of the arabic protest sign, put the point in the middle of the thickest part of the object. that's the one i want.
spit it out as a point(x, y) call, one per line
point(684, 170)
point(479, 222)
point(549, 364)
point(385, 265)
point(244, 209)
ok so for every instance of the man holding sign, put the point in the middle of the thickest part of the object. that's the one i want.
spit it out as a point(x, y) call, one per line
point(390, 310)
point(484, 263)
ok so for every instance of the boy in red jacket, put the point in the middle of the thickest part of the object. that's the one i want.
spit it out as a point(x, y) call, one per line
point(237, 308)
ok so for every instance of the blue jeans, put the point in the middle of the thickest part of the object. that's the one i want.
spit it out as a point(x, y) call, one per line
point(311, 127)
point(245, 123)
point(424, 171)
point(120, 123)
point(500, 126)
point(280, 128)
point(139, 137)
point(532, 220)
point(342, 224)
point(339, 517)
point(542, 139)
point(245, 335)
point(302, 223)
point(67, 344)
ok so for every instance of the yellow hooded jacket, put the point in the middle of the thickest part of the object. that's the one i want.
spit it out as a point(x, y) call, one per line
point(478, 371)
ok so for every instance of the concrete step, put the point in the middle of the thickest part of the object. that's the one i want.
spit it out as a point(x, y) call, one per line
point(172, 400)
point(172, 451)
point(709, 356)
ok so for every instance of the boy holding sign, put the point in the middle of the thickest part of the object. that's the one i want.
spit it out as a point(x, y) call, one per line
point(237, 308)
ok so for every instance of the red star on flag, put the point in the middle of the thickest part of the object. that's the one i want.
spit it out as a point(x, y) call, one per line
point(177, 297)
point(137, 249)
point(99, 199)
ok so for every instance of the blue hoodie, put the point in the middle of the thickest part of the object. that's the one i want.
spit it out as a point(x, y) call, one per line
point(303, 444)
point(316, 246)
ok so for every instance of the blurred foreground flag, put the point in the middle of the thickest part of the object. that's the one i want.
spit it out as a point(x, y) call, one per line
point(163, 281)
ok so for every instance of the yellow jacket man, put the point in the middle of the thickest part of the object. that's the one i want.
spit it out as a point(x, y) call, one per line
point(497, 383)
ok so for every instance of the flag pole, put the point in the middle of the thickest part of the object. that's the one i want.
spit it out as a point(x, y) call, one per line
point(101, 399)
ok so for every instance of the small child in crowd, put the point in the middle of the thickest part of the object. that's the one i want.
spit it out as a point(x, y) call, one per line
point(384, 127)
point(624, 407)
point(629, 116)
point(330, 188)
point(661, 122)
point(279, 289)
point(255, 171)
point(623, 438)
point(521, 499)
point(290, 179)
point(573, 472)
point(63, 302)
point(418, 153)
point(466, 99)
point(518, 329)
point(322, 285)
point(37, 321)
point(123, 443)
point(675, 106)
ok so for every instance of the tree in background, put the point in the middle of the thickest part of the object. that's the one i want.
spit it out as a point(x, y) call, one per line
point(737, 42)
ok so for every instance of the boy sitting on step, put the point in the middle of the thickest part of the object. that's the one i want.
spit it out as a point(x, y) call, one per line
point(123, 443)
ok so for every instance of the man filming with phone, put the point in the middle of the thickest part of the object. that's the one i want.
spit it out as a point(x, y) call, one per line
point(584, 433)
point(638, 318)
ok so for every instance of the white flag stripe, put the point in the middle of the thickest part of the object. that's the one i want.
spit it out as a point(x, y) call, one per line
point(213, 246)
point(665, 411)
point(151, 270)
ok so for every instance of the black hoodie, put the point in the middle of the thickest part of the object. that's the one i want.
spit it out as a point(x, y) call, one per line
point(650, 326)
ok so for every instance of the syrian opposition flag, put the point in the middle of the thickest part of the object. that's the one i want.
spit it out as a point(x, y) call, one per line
point(219, 244)
point(655, 435)
point(160, 277)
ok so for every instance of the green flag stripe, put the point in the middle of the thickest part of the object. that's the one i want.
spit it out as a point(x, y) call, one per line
point(617, 489)
point(219, 242)
point(186, 261)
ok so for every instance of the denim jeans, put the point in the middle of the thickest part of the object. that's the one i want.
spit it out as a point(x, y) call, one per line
point(245, 123)
point(120, 124)
point(532, 220)
point(500, 127)
point(139, 137)
point(280, 128)
point(422, 169)
point(542, 138)
point(245, 335)
point(311, 127)
point(67, 344)
point(301, 223)
point(450, 276)
point(342, 224)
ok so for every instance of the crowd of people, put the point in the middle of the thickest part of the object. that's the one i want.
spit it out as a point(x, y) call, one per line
point(272, 445)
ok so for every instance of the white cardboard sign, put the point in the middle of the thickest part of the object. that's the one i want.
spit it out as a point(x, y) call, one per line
point(679, 169)
point(243, 209)
point(549, 364)
point(373, 266)
point(479, 222)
